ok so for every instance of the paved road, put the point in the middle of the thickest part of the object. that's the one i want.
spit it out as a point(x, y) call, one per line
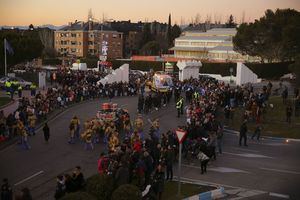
point(246, 172)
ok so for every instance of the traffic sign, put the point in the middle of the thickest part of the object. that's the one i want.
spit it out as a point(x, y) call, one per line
point(180, 135)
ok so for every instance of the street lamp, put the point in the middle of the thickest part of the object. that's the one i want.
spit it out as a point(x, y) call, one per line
point(231, 71)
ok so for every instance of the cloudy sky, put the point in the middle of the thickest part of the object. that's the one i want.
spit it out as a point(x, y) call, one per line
point(59, 12)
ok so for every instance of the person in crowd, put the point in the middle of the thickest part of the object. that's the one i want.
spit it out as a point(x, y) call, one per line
point(60, 187)
point(170, 157)
point(78, 178)
point(46, 131)
point(159, 180)
point(6, 190)
point(257, 132)
point(204, 159)
point(243, 133)
point(289, 112)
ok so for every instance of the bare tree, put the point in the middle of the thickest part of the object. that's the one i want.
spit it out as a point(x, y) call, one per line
point(197, 18)
point(90, 15)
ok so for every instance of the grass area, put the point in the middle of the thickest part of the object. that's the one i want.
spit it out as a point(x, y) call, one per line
point(187, 190)
point(4, 101)
point(273, 120)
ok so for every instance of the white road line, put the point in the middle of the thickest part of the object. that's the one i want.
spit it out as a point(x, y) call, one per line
point(284, 196)
point(28, 178)
point(243, 149)
point(281, 170)
point(248, 155)
point(220, 169)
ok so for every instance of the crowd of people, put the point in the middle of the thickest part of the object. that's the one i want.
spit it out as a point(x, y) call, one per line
point(133, 154)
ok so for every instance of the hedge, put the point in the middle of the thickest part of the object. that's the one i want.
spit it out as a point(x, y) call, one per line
point(78, 196)
point(52, 61)
point(101, 186)
point(263, 70)
point(127, 192)
point(270, 70)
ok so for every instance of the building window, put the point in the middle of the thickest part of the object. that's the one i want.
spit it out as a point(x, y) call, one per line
point(114, 35)
point(73, 50)
point(79, 43)
point(91, 43)
point(106, 35)
point(73, 42)
point(91, 35)
point(73, 34)
point(120, 35)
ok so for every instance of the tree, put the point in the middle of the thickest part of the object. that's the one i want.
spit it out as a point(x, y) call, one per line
point(169, 32)
point(151, 48)
point(146, 35)
point(274, 37)
point(230, 23)
point(26, 45)
point(176, 31)
point(101, 186)
point(31, 27)
point(127, 192)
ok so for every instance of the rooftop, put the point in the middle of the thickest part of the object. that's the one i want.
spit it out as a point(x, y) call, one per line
point(84, 26)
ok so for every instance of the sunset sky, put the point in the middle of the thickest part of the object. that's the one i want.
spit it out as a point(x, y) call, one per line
point(60, 12)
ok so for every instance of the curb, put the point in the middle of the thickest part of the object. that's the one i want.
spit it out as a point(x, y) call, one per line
point(213, 194)
point(233, 132)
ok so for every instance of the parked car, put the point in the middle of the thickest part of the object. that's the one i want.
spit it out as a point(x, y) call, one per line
point(25, 84)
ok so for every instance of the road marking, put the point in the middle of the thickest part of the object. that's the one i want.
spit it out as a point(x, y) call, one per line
point(276, 144)
point(248, 155)
point(243, 149)
point(28, 178)
point(227, 170)
point(220, 169)
point(280, 170)
point(285, 196)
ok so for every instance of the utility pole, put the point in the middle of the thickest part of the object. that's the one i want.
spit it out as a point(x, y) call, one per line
point(5, 62)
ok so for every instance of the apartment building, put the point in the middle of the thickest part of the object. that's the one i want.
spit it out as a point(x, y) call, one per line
point(81, 39)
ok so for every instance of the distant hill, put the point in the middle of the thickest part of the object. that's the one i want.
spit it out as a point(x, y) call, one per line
point(41, 26)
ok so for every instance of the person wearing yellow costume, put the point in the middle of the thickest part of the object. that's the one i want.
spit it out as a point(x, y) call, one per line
point(113, 142)
point(31, 122)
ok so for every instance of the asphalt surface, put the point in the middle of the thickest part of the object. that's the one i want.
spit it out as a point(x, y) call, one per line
point(253, 172)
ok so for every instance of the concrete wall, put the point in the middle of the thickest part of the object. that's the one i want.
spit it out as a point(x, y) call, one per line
point(117, 75)
point(188, 69)
point(244, 75)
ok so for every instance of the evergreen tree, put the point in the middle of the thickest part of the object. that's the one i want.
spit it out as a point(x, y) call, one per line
point(169, 32)
point(230, 23)
point(146, 35)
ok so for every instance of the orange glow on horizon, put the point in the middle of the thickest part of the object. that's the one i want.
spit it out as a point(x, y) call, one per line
point(60, 12)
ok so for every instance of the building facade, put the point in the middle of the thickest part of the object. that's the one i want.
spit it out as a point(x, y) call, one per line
point(81, 39)
point(212, 45)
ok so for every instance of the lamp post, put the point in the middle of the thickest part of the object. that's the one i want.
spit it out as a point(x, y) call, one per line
point(231, 71)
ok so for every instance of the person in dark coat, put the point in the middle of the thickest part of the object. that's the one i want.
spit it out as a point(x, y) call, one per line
point(148, 160)
point(46, 131)
point(60, 187)
point(78, 179)
point(6, 191)
point(243, 133)
point(140, 104)
point(122, 175)
point(159, 181)
point(169, 162)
